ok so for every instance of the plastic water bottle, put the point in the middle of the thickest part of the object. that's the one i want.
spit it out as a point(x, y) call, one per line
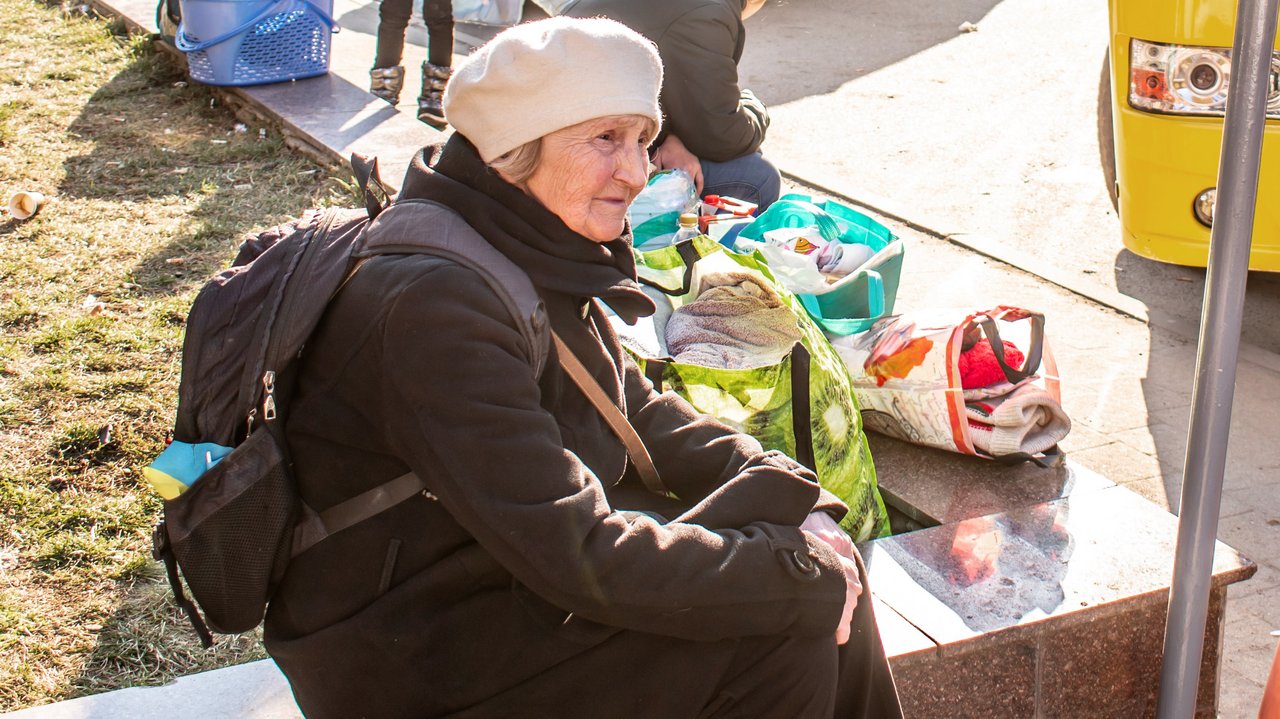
point(688, 228)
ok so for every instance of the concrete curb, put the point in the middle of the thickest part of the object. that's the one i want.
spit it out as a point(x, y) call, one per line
point(256, 689)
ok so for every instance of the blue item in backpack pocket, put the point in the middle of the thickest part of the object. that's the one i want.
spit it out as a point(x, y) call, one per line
point(181, 464)
point(860, 298)
point(254, 42)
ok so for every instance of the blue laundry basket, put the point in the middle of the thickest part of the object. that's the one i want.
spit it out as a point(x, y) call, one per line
point(254, 42)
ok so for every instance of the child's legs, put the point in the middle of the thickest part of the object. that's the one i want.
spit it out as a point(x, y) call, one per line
point(393, 18)
point(438, 15)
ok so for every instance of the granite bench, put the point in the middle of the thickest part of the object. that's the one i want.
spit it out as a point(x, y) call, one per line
point(1029, 592)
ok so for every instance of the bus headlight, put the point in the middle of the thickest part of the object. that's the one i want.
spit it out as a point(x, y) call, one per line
point(1188, 79)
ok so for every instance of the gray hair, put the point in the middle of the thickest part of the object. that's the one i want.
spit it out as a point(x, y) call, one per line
point(516, 166)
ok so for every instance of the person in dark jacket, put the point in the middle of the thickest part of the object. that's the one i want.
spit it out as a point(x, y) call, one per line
point(713, 128)
point(536, 577)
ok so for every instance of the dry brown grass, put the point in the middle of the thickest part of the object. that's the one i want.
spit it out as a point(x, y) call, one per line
point(150, 185)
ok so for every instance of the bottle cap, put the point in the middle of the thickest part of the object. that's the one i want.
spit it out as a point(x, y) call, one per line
point(688, 219)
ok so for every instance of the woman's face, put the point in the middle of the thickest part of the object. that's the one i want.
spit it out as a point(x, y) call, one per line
point(589, 173)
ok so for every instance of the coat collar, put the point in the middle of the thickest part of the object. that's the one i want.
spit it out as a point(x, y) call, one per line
point(556, 258)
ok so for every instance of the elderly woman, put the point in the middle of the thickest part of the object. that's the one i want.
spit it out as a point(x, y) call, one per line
point(521, 584)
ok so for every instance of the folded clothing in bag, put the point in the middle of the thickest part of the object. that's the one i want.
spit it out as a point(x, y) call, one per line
point(1007, 418)
point(1027, 420)
point(736, 322)
point(956, 381)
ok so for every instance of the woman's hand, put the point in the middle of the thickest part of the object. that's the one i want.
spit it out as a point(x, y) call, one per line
point(672, 154)
point(822, 526)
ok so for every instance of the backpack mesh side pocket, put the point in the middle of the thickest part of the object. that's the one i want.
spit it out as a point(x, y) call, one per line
point(231, 532)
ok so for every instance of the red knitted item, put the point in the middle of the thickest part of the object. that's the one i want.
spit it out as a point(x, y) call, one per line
point(978, 366)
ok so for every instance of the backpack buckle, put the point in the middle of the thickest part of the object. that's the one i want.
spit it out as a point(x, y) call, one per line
point(160, 547)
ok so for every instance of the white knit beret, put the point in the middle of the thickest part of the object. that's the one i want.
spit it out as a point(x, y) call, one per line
point(538, 77)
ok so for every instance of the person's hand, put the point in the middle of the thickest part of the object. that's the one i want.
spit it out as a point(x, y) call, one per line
point(822, 526)
point(672, 154)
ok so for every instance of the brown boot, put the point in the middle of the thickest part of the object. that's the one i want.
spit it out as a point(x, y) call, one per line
point(431, 101)
point(387, 82)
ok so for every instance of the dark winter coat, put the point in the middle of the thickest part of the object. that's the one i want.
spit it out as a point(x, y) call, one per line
point(481, 593)
point(700, 42)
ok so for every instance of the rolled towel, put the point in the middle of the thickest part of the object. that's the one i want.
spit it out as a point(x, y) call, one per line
point(998, 389)
point(1028, 419)
point(737, 322)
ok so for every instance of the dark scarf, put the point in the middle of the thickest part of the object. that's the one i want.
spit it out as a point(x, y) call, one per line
point(556, 258)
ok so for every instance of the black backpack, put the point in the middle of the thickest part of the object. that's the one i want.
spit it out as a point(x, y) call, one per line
point(233, 532)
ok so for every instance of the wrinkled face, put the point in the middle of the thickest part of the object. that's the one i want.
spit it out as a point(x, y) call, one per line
point(589, 173)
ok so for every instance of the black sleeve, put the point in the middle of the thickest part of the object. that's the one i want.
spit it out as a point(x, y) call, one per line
point(725, 476)
point(714, 118)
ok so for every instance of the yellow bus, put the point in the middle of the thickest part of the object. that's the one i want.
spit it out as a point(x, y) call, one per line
point(1161, 106)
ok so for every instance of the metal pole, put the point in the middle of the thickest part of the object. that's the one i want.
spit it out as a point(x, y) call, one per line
point(1219, 347)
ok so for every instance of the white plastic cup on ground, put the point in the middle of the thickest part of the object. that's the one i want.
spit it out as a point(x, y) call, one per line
point(25, 204)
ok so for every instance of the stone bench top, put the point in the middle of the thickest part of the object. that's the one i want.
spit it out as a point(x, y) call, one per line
point(1008, 547)
point(1072, 560)
point(936, 487)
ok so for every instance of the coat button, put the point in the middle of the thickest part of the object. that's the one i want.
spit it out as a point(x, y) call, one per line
point(800, 565)
point(803, 562)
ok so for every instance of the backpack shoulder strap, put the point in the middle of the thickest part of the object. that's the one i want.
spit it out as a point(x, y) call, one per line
point(613, 416)
point(399, 230)
point(315, 526)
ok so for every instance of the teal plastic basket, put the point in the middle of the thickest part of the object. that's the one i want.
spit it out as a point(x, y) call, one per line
point(254, 42)
point(861, 297)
